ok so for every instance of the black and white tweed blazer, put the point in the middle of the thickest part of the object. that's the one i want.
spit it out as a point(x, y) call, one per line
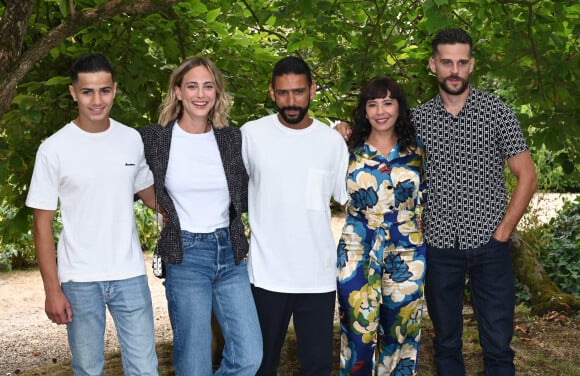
point(157, 141)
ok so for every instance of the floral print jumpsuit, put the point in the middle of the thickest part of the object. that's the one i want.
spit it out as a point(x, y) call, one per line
point(381, 262)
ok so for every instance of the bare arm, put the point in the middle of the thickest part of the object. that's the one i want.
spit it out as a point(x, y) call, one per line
point(522, 166)
point(147, 195)
point(57, 306)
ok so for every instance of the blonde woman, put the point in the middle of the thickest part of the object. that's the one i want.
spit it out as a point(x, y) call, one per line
point(201, 182)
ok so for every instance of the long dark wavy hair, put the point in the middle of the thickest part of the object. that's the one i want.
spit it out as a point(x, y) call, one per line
point(379, 87)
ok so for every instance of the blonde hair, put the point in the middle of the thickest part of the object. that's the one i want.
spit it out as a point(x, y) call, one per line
point(172, 108)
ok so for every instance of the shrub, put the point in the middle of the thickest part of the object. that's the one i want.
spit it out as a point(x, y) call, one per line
point(146, 226)
point(16, 243)
point(552, 176)
point(557, 245)
point(560, 247)
point(551, 172)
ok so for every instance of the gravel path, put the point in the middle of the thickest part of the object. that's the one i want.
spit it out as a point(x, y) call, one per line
point(28, 339)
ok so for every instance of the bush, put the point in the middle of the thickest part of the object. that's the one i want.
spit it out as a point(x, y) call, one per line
point(16, 242)
point(17, 256)
point(146, 226)
point(551, 174)
point(559, 242)
point(558, 247)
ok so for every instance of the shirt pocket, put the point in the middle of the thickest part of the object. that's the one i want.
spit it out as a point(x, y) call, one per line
point(318, 189)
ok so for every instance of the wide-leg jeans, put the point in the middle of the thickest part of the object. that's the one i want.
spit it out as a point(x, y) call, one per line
point(208, 279)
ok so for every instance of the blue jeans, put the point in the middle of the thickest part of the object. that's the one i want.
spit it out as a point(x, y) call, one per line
point(493, 297)
point(129, 302)
point(208, 279)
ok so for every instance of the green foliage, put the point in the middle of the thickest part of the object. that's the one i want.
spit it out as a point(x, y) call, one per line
point(551, 174)
point(559, 244)
point(147, 226)
point(526, 53)
point(16, 247)
point(522, 295)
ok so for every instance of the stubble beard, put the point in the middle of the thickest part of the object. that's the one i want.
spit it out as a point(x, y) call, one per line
point(464, 85)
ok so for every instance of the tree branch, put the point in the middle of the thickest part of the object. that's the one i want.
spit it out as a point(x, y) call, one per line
point(102, 12)
point(533, 43)
point(71, 8)
point(14, 24)
point(259, 26)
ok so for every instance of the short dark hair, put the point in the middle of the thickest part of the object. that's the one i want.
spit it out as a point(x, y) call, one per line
point(90, 63)
point(291, 64)
point(451, 36)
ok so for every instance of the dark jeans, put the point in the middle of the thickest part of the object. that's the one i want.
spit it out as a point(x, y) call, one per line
point(313, 316)
point(493, 295)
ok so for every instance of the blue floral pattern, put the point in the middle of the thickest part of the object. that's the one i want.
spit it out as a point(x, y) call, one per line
point(381, 262)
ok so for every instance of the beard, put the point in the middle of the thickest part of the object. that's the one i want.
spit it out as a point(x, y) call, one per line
point(302, 112)
point(464, 85)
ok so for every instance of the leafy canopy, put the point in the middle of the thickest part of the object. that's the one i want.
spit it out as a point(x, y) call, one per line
point(526, 53)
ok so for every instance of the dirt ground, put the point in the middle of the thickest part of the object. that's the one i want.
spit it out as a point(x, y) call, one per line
point(28, 339)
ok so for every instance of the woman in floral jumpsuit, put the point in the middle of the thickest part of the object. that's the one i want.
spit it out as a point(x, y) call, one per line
point(381, 253)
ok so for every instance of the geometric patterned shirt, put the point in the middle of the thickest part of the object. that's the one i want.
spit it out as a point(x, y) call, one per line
point(466, 157)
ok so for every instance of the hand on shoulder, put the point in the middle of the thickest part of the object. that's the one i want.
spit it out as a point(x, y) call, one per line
point(344, 129)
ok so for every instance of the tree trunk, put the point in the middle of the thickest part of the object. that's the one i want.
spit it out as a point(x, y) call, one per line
point(545, 296)
point(13, 26)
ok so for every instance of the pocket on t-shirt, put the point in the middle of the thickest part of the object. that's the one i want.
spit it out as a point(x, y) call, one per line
point(318, 189)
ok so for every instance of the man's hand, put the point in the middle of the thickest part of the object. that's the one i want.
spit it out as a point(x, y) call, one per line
point(58, 308)
point(344, 129)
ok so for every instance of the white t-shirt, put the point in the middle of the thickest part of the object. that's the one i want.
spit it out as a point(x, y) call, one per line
point(94, 177)
point(196, 181)
point(293, 174)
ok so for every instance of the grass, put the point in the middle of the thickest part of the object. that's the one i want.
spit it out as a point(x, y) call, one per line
point(545, 346)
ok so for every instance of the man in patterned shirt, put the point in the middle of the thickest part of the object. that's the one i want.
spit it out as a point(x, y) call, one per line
point(469, 134)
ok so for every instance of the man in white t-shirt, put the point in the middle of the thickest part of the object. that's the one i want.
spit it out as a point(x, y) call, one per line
point(92, 167)
point(295, 164)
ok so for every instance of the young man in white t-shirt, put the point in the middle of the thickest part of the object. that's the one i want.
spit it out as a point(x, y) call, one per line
point(295, 164)
point(92, 168)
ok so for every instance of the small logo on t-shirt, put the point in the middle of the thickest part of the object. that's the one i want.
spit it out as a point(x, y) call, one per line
point(129, 164)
